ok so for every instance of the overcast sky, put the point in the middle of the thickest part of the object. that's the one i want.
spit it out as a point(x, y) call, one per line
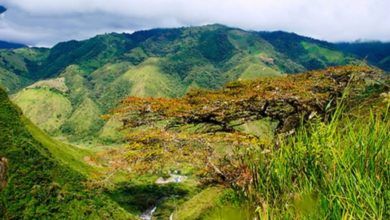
point(46, 22)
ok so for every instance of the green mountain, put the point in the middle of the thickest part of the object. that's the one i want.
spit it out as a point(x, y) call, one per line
point(2, 9)
point(10, 45)
point(295, 146)
point(18, 67)
point(75, 82)
point(377, 53)
point(39, 184)
point(315, 54)
point(309, 52)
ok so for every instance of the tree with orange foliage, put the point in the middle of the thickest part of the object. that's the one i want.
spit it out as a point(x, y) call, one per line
point(287, 100)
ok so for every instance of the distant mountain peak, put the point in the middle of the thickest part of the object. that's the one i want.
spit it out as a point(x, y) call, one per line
point(10, 45)
point(216, 25)
point(2, 9)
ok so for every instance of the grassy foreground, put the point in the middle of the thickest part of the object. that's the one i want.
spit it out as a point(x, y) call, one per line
point(335, 170)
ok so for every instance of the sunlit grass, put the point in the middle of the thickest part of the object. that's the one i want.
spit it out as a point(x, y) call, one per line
point(335, 170)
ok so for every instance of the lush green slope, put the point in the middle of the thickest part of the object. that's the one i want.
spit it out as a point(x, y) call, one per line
point(18, 67)
point(100, 71)
point(39, 186)
point(377, 53)
point(309, 52)
point(314, 54)
point(69, 155)
point(46, 108)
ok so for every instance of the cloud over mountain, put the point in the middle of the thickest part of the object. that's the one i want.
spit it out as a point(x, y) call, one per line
point(46, 22)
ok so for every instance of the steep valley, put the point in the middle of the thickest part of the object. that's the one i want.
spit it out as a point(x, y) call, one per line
point(207, 122)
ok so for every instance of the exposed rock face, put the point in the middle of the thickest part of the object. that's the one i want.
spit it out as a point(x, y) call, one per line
point(3, 172)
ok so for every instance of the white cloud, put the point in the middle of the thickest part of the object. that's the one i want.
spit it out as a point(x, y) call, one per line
point(334, 20)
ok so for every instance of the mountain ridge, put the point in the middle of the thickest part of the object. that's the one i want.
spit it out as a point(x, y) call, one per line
point(101, 71)
point(10, 45)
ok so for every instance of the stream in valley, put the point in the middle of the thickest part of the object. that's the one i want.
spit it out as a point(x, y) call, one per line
point(174, 178)
point(147, 215)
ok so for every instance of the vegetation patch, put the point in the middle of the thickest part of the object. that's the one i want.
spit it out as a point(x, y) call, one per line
point(39, 185)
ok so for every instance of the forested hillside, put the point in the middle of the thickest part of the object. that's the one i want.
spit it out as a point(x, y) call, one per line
point(40, 185)
point(88, 78)
point(376, 53)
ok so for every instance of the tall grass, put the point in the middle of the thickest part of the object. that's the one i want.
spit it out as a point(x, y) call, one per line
point(334, 170)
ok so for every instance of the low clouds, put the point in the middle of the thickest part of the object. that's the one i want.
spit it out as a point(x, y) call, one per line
point(46, 22)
